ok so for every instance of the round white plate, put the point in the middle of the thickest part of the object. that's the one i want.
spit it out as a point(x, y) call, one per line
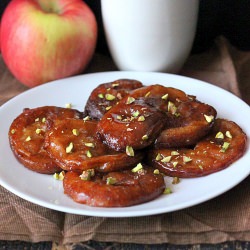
point(44, 190)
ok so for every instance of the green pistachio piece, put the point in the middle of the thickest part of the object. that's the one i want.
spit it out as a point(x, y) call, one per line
point(69, 148)
point(137, 168)
point(130, 151)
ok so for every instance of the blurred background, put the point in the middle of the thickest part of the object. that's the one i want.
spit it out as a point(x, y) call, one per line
point(229, 18)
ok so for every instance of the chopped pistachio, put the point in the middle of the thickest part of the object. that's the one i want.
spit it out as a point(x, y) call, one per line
point(228, 134)
point(13, 131)
point(172, 108)
point(158, 157)
point(137, 168)
point(69, 148)
point(148, 94)
point(87, 174)
point(145, 137)
point(86, 118)
point(176, 180)
point(38, 131)
point(186, 159)
point(115, 85)
point(109, 97)
point(101, 96)
point(59, 176)
point(175, 153)
point(88, 153)
point(166, 159)
point(119, 117)
point(108, 108)
point(130, 100)
point(219, 135)
point(141, 118)
point(156, 171)
point(167, 191)
point(130, 151)
point(164, 97)
point(136, 113)
point(28, 138)
point(89, 144)
point(175, 163)
point(111, 180)
point(75, 131)
point(68, 105)
point(200, 166)
point(225, 146)
point(43, 120)
point(56, 176)
point(209, 118)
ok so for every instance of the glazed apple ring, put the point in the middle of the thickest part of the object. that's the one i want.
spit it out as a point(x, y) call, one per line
point(106, 95)
point(74, 145)
point(132, 125)
point(187, 119)
point(225, 144)
point(191, 122)
point(26, 136)
point(115, 189)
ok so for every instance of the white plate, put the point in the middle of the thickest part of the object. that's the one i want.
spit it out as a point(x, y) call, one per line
point(45, 191)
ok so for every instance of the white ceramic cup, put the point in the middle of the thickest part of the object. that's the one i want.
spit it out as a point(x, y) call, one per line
point(150, 35)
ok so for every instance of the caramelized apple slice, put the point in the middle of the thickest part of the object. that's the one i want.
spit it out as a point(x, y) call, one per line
point(225, 144)
point(115, 189)
point(26, 136)
point(133, 124)
point(107, 95)
point(187, 119)
point(191, 121)
point(73, 144)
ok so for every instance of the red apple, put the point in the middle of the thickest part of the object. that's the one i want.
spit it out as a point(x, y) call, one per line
point(45, 40)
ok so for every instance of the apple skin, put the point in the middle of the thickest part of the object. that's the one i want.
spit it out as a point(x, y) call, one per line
point(45, 40)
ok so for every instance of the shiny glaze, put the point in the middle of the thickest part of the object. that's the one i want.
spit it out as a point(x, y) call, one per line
point(188, 127)
point(31, 153)
point(206, 157)
point(136, 125)
point(88, 151)
point(98, 102)
point(184, 118)
point(130, 188)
